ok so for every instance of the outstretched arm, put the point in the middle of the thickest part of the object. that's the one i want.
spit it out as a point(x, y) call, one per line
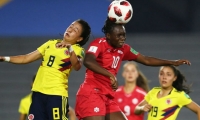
point(195, 108)
point(151, 61)
point(22, 59)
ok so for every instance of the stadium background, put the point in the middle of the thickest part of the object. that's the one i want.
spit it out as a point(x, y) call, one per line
point(168, 29)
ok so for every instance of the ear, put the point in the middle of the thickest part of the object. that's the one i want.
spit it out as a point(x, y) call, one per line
point(80, 39)
point(108, 35)
point(175, 78)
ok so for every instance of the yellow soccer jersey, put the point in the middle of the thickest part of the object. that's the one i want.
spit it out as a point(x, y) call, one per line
point(25, 104)
point(168, 107)
point(53, 73)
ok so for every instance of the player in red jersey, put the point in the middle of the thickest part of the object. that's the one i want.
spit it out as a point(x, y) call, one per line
point(132, 93)
point(95, 97)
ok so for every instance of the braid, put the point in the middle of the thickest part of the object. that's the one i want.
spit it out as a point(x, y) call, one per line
point(108, 26)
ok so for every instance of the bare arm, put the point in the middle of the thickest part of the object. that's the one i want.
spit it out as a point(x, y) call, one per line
point(151, 61)
point(143, 106)
point(195, 108)
point(22, 116)
point(91, 63)
point(24, 59)
point(71, 113)
point(75, 61)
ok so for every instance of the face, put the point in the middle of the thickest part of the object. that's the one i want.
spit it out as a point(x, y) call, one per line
point(117, 37)
point(130, 73)
point(73, 33)
point(166, 77)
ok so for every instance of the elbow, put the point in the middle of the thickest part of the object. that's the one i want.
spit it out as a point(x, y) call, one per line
point(86, 63)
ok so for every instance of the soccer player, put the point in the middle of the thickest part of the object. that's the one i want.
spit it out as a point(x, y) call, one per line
point(165, 102)
point(25, 104)
point(50, 88)
point(133, 92)
point(95, 97)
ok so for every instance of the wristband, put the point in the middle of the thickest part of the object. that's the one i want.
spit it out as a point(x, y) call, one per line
point(7, 59)
point(141, 108)
point(71, 49)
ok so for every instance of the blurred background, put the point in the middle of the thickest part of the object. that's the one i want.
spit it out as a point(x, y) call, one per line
point(165, 29)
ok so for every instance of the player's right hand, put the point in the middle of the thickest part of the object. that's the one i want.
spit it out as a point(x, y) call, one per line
point(147, 107)
point(114, 83)
point(1, 59)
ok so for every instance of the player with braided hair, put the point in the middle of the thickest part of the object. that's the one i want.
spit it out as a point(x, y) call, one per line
point(95, 97)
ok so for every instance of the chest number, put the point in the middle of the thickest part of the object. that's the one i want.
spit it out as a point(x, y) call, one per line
point(154, 111)
point(51, 61)
point(127, 110)
point(115, 61)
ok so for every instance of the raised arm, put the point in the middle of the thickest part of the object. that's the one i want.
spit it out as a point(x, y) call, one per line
point(151, 61)
point(22, 59)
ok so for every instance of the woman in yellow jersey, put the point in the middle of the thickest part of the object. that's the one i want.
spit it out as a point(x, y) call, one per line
point(165, 102)
point(26, 102)
point(50, 88)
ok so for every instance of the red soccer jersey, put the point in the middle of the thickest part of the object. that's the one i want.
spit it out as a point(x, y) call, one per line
point(128, 102)
point(109, 58)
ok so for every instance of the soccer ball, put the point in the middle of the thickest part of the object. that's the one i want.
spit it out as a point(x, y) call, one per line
point(120, 11)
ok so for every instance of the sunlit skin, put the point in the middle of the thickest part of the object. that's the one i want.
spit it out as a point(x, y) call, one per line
point(117, 37)
point(73, 33)
point(130, 74)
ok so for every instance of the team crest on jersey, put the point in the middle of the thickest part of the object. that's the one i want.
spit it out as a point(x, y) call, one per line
point(30, 117)
point(168, 101)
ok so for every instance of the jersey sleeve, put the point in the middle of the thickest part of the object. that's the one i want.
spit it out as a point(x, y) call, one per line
point(130, 53)
point(79, 51)
point(43, 47)
point(94, 48)
point(22, 109)
point(184, 99)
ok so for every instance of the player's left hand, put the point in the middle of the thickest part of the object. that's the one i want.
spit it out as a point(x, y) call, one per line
point(181, 62)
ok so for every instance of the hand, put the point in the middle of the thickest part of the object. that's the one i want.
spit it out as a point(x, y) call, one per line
point(181, 62)
point(2, 59)
point(114, 83)
point(63, 45)
point(146, 108)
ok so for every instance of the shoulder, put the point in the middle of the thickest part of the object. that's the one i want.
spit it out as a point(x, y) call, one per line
point(52, 41)
point(140, 91)
point(154, 90)
point(77, 46)
point(120, 88)
point(99, 40)
point(26, 98)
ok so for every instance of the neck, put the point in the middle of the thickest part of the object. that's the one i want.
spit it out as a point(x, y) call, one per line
point(165, 91)
point(129, 87)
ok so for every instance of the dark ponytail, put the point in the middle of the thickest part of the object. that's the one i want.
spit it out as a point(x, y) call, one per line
point(108, 26)
point(180, 82)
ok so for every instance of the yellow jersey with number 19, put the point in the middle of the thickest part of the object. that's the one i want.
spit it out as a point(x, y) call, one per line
point(168, 107)
point(53, 73)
